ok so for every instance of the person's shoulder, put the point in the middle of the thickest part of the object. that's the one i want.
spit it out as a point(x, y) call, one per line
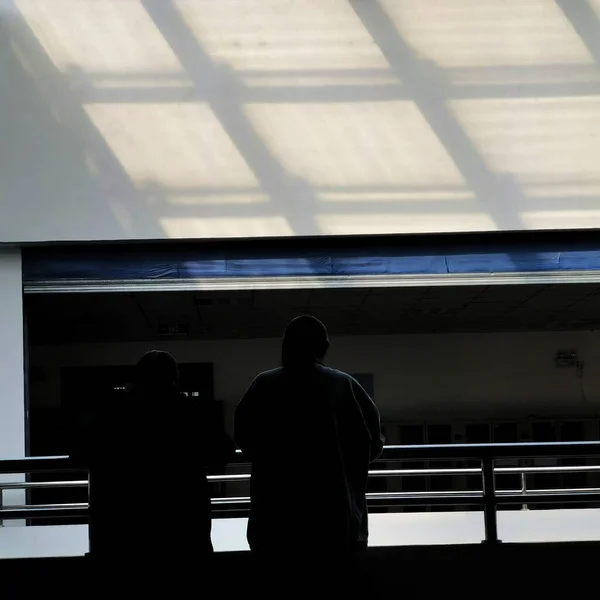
point(336, 374)
point(270, 375)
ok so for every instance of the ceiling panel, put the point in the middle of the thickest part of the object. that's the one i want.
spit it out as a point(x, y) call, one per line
point(127, 317)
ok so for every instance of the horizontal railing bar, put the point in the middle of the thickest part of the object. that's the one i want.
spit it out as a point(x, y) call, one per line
point(34, 507)
point(423, 501)
point(232, 478)
point(390, 453)
point(539, 470)
point(43, 513)
point(439, 494)
point(434, 472)
point(407, 500)
point(28, 485)
point(370, 496)
point(392, 499)
point(374, 473)
point(232, 500)
point(411, 472)
point(377, 496)
point(474, 497)
point(548, 492)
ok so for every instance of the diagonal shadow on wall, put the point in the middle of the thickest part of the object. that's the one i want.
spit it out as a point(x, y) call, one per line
point(42, 112)
point(272, 177)
point(423, 80)
point(585, 22)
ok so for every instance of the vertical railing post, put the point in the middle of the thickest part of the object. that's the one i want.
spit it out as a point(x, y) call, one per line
point(489, 501)
point(1, 506)
point(91, 520)
point(524, 488)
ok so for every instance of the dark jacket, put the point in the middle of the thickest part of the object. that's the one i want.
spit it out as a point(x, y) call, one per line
point(310, 434)
point(148, 464)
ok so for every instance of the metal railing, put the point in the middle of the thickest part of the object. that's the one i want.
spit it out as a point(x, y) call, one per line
point(488, 497)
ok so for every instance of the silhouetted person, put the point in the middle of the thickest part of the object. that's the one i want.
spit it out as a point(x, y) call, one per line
point(148, 460)
point(311, 433)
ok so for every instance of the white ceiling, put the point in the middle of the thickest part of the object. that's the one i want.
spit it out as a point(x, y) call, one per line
point(75, 318)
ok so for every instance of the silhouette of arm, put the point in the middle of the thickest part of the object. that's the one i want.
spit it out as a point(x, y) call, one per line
point(372, 419)
point(245, 422)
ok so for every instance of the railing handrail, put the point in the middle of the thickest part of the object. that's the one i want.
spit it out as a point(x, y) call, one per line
point(465, 497)
point(390, 453)
point(489, 497)
point(431, 472)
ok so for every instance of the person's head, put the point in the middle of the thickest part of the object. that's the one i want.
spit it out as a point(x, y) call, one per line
point(157, 374)
point(305, 341)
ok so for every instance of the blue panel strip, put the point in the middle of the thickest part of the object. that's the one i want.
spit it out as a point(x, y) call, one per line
point(280, 267)
point(113, 265)
point(407, 264)
point(503, 262)
point(582, 260)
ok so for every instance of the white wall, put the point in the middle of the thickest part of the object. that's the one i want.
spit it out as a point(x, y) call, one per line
point(124, 119)
point(12, 378)
point(416, 377)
